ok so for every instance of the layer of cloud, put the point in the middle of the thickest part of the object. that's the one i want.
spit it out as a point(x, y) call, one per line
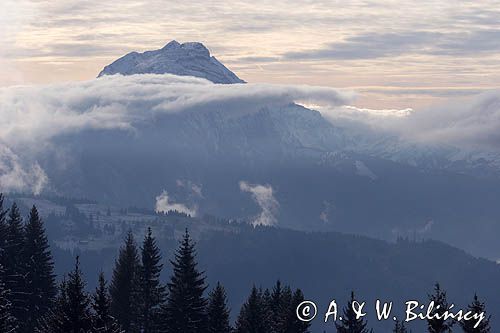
point(369, 46)
point(378, 45)
point(41, 112)
point(33, 115)
point(470, 123)
point(466, 122)
point(164, 204)
point(264, 197)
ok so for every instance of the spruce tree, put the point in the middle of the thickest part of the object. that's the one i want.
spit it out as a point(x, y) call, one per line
point(349, 323)
point(436, 325)
point(185, 309)
point(124, 287)
point(276, 309)
point(78, 300)
point(7, 321)
point(284, 309)
point(71, 313)
point(267, 306)
point(15, 268)
point(218, 312)
point(40, 283)
point(294, 325)
point(103, 322)
point(252, 317)
point(468, 325)
point(152, 292)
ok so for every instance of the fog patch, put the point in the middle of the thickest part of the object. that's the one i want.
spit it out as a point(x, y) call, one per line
point(164, 204)
point(264, 197)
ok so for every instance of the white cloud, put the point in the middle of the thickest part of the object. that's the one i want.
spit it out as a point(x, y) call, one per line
point(16, 175)
point(464, 122)
point(33, 115)
point(364, 115)
point(164, 204)
point(41, 112)
point(264, 197)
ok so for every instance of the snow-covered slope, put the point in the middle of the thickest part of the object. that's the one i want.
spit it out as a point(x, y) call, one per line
point(187, 59)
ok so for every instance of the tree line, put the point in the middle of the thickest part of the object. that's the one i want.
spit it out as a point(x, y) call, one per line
point(136, 300)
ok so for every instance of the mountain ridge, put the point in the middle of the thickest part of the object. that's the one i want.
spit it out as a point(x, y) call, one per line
point(186, 59)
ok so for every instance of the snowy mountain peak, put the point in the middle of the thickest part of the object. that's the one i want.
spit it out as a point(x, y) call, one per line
point(187, 59)
point(172, 44)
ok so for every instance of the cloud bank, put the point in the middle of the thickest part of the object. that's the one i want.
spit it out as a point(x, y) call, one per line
point(42, 112)
point(464, 122)
point(264, 197)
point(33, 115)
point(471, 123)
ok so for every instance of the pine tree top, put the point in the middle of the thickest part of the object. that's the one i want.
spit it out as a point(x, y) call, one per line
point(14, 221)
point(185, 309)
point(36, 241)
point(217, 296)
point(124, 287)
point(100, 299)
point(476, 306)
point(40, 281)
point(218, 312)
point(350, 323)
point(184, 262)
point(128, 254)
point(151, 256)
point(75, 285)
point(440, 306)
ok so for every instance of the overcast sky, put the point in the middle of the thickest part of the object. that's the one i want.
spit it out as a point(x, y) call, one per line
point(396, 54)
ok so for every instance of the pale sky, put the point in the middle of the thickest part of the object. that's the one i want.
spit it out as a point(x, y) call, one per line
point(395, 54)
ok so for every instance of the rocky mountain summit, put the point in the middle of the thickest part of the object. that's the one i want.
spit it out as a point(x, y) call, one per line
point(187, 59)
